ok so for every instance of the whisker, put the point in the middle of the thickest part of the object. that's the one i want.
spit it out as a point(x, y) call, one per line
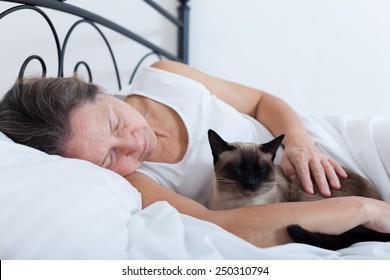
point(225, 180)
point(287, 184)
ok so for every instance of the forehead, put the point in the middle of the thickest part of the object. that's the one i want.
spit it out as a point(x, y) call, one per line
point(89, 126)
point(88, 115)
point(95, 114)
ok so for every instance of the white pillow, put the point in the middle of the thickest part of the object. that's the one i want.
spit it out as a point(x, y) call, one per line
point(122, 93)
point(57, 208)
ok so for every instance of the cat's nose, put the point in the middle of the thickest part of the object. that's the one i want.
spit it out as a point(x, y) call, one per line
point(251, 184)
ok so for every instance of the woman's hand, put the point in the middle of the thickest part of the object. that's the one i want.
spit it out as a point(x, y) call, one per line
point(308, 163)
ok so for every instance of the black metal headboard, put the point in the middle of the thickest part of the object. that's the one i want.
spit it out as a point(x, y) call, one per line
point(181, 21)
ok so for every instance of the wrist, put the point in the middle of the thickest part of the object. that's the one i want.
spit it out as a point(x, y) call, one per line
point(364, 211)
point(369, 213)
point(298, 139)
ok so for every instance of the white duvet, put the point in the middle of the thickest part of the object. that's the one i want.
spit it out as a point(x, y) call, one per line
point(56, 208)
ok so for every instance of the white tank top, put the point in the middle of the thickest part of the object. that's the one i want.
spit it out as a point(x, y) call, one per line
point(199, 110)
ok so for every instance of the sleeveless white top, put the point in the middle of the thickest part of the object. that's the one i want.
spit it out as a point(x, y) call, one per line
point(200, 111)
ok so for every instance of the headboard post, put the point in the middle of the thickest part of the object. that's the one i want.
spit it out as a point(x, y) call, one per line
point(184, 16)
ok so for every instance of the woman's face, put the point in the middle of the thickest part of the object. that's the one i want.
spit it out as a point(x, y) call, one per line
point(111, 134)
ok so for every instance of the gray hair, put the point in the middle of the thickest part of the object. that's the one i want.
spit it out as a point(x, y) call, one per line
point(36, 111)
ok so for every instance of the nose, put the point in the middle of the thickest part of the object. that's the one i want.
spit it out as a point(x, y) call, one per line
point(251, 183)
point(129, 145)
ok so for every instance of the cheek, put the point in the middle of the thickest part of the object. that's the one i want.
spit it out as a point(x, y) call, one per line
point(126, 166)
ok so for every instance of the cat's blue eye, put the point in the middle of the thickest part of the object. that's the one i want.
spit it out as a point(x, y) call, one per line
point(264, 171)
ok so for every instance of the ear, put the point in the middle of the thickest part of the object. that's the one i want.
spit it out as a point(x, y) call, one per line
point(272, 146)
point(217, 144)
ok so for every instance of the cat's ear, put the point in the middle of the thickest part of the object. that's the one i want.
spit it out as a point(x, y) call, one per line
point(272, 146)
point(217, 144)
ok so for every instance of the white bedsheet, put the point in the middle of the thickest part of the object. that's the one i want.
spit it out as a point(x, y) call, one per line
point(160, 232)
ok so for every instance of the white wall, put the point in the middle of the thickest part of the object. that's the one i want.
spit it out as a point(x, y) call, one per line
point(323, 56)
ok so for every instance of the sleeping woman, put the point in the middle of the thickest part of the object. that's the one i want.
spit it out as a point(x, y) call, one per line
point(156, 138)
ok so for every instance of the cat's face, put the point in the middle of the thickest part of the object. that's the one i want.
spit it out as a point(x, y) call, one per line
point(244, 167)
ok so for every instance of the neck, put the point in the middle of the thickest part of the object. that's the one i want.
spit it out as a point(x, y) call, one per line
point(166, 152)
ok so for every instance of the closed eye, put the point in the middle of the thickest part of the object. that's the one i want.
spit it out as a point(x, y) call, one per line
point(117, 126)
point(118, 122)
point(264, 171)
point(234, 169)
point(107, 161)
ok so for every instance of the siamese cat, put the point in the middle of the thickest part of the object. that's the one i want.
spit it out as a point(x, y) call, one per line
point(245, 174)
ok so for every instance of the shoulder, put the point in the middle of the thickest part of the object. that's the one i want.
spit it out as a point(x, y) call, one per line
point(214, 85)
point(170, 66)
point(183, 70)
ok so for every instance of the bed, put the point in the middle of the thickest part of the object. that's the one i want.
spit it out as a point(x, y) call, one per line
point(57, 208)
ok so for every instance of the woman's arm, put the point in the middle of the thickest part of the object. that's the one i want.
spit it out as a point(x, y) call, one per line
point(301, 157)
point(265, 225)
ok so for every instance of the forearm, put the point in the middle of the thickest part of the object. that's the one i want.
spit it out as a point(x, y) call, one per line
point(271, 111)
point(262, 225)
point(280, 118)
point(265, 225)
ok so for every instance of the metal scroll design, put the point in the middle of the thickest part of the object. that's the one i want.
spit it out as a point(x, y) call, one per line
point(93, 20)
point(140, 63)
point(66, 40)
point(37, 57)
point(61, 48)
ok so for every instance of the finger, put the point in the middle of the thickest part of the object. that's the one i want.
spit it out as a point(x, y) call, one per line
point(303, 173)
point(319, 175)
point(331, 174)
point(338, 169)
point(301, 166)
point(287, 167)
